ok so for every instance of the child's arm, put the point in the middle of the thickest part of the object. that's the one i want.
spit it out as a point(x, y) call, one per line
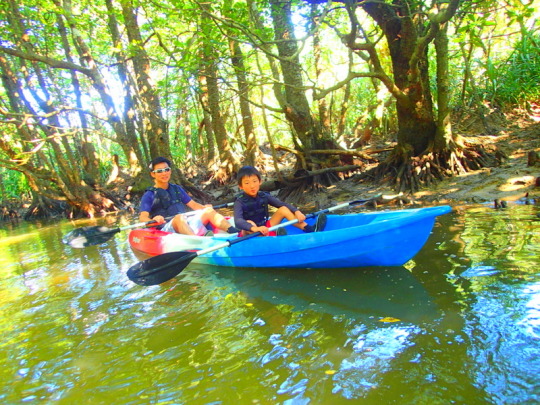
point(276, 202)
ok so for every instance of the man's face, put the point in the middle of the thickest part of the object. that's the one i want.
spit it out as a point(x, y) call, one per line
point(162, 172)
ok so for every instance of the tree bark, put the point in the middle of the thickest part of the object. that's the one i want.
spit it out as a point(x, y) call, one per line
point(277, 87)
point(130, 118)
point(59, 174)
point(206, 122)
point(228, 163)
point(443, 136)
point(156, 130)
point(296, 106)
point(237, 59)
point(324, 114)
point(86, 150)
point(91, 70)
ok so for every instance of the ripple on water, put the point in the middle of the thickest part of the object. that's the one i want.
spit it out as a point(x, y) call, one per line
point(505, 344)
point(371, 358)
point(73, 326)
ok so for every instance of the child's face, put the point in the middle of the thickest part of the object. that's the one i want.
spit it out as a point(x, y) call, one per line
point(250, 185)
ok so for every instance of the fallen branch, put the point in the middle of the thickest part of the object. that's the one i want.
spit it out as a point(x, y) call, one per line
point(355, 153)
point(365, 154)
point(302, 175)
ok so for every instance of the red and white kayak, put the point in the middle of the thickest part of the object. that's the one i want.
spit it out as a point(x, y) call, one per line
point(385, 238)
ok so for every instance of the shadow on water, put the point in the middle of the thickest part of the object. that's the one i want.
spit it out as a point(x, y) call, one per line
point(312, 331)
point(388, 293)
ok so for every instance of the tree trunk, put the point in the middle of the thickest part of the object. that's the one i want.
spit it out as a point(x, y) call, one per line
point(269, 135)
point(206, 123)
point(128, 114)
point(426, 147)
point(51, 176)
point(237, 59)
point(443, 137)
point(296, 105)
point(344, 109)
point(408, 43)
point(324, 114)
point(156, 129)
point(415, 109)
point(87, 152)
point(228, 163)
point(257, 20)
point(99, 84)
point(183, 130)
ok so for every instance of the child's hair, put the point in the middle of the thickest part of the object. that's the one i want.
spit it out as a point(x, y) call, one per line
point(247, 171)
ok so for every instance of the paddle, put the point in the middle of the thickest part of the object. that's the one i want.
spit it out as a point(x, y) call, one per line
point(161, 268)
point(96, 235)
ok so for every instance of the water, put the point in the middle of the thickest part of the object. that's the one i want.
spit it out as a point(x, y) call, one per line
point(460, 323)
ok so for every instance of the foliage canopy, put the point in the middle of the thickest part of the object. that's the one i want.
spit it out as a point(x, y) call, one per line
point(91, 91)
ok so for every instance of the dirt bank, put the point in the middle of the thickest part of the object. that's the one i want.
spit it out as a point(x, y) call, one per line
point(513, 180)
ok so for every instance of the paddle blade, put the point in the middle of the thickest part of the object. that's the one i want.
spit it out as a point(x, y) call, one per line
point(88, 236)
point(159, 269)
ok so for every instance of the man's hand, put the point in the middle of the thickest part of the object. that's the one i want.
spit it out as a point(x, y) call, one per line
point(159, 219)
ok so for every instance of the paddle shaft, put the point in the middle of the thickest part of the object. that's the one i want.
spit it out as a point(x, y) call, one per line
point(152, 222)
point(94, 235)
point(273, 228)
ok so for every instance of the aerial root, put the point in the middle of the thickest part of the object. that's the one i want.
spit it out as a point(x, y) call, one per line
point(409, 174)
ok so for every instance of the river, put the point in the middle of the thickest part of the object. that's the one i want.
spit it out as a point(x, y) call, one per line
point(460, 323)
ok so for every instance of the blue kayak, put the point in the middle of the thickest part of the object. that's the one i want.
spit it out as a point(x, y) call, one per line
point(382, 238)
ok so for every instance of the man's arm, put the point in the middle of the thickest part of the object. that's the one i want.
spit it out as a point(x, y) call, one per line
point(145, 207)
point(194, 205)
point(144, 216)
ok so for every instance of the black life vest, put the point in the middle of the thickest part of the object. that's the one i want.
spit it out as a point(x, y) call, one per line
point(255, 209)
point(167, 202)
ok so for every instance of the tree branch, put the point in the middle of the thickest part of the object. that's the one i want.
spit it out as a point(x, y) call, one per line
point(60, 64)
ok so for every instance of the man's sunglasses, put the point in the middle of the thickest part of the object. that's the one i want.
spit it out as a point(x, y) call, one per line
point(164, 170)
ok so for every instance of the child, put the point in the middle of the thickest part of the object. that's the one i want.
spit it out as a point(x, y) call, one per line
point(251, 207)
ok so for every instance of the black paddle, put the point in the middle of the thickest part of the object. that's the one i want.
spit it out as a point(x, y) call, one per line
point(96, 235)
point(161, 268)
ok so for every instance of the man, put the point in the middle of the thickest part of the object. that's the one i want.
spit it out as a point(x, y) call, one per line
point(166, 199)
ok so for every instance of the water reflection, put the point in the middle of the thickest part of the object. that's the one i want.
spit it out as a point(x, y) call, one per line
point(504, 339)
point(459, 323)
point(367, 294)
point(300, 313)
point(501, 293)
